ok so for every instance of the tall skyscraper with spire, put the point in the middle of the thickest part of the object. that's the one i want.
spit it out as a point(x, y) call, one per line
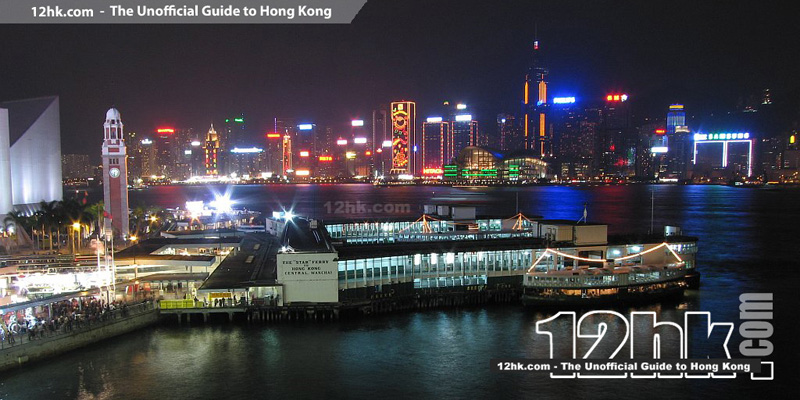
point(535, 106)
point(115, 177)
point(211, 152)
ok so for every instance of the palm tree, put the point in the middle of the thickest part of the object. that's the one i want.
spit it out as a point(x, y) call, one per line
point(48, 218)
point(138, 220)
point(94, 214)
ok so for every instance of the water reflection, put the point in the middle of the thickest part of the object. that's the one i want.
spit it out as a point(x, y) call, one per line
point(747, 243)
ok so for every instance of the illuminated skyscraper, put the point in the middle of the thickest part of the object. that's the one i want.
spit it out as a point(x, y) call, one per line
point(147, 153)
point(404, 121)
point(234, 135)
point(381, 139)
point(463, 133)
point(511, 134)
point(76, 166)
point(212, 152)
point(304, 147)
point(616, 140)
point(115, 176)
point(134, 155)
point(166, 145)
point(287, 154)
point(435, 139)
point(287, 129)
point(363, 147)
point(678, 142)
point(274, 153)
point(535, 107)
point(675, 117)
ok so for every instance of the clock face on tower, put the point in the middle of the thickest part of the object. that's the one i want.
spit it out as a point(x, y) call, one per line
point(113, 172)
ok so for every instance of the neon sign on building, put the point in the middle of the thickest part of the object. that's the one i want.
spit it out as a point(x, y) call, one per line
point(403, 121)
point(725, 139)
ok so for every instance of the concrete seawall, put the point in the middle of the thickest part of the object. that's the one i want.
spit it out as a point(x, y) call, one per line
point(19, 355)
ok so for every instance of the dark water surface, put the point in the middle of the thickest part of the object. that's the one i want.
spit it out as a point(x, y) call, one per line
point(749, 242)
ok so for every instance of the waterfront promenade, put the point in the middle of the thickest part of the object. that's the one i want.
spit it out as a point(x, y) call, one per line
point(26, 346)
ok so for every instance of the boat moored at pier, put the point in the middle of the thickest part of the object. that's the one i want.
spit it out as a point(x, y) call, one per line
point(551, 280)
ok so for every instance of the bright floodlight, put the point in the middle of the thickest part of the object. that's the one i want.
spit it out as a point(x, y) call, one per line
point(195, 207)
point(222, 203)
point(288, 215)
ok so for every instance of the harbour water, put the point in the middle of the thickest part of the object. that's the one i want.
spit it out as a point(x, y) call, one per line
point(748, 243)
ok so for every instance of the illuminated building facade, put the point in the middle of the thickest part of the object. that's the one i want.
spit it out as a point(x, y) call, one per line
point(463, 133)
point(134, 156)
point(535, 107)
point(381, 133)
point(76, 166)
point(616, 140)
point(676, 117)
point(30, 153)
point(480, 164)
point(234, 135)
point(404, 120)
point(147, 157)
point(304, 147)
point(211, 152)
point(678, 143)
point(167, 152)
point(363, 146)
point(197, 157)
point(726, 151)
point(512, 136)
point(287, 129)
point(574, 134)
point(286, 160)
point(246, 162)
point(435, 139)
point(273, 152)
point(115, 176)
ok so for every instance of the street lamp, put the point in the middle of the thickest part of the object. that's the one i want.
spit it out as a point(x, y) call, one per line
point(76, 231)
point(134, 238)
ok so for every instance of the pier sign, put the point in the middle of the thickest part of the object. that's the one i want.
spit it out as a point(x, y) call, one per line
point(311, 277)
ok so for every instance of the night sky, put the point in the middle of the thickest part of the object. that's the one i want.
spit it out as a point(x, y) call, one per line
point(706, 54)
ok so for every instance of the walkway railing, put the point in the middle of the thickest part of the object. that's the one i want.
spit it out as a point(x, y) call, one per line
point(72, 326)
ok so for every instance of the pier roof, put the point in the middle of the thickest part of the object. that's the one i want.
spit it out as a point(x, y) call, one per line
point(145, 248)
point(639, 238)
point(357, 251)
point(303, 235)
point(253, 264)
point(566, 222)
point(360, 251)
point(416, 217)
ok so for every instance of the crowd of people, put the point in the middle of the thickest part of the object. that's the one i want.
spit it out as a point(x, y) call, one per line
point(59, 317)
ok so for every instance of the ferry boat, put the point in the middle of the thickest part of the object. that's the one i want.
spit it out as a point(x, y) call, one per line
point(654, 273)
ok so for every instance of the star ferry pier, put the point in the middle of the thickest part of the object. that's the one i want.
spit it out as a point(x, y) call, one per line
point(302, 268)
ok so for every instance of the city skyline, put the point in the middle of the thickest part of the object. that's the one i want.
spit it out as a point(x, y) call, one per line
point(192, 76)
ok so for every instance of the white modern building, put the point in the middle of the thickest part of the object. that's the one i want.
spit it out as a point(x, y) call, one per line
point(30, 153)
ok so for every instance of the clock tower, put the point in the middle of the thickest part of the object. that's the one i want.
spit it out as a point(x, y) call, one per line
point(115, 177)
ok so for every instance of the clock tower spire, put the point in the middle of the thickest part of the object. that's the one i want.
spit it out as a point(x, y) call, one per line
point(115, 177)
